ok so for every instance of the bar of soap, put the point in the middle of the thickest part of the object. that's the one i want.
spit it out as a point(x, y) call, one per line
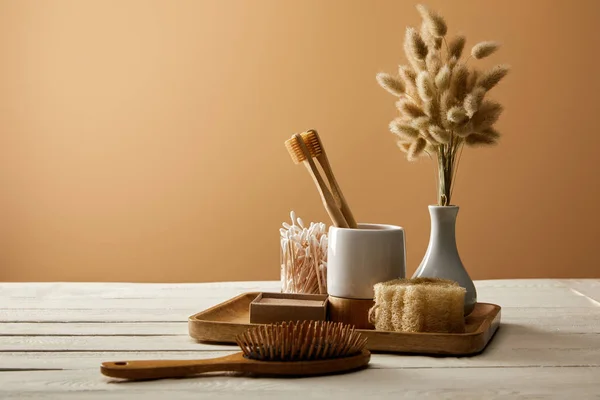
point(268, 308)
point(419, 305)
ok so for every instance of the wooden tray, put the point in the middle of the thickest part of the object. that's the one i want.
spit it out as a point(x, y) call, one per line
point(221, 323)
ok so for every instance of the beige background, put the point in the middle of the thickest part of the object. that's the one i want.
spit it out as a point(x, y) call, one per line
point(143, 140)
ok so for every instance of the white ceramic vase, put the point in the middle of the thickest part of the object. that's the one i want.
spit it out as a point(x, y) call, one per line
point(442, 259)
point(357, 259)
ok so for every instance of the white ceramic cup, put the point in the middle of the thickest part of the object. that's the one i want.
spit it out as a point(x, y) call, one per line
point(359, 258)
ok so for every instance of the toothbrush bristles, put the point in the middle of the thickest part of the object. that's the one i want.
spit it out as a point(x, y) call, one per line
point(293, 147)
point(312, 142)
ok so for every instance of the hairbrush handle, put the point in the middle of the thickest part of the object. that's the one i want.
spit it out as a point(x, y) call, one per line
point(158, 369)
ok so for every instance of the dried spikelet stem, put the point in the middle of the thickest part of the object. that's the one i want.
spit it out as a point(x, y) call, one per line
point(473, 101)
point(442, 79)
point(491, 78)
point(456, 46)
point(456, 115)
point(439, 134)
point(435, 22)
point(486, 116)
point(416, 149)
point(392, 84)
point(460, 73)
point(403, 130)
point(409, 109)
point(484, 49)
point(425, 86)
point(415, 49)
point(433, 63)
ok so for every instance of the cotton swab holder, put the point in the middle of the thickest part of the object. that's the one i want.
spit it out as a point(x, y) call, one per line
point(303, 255)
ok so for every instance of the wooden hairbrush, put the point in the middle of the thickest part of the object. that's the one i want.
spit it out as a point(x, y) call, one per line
point(300, 153)
point(289, 349)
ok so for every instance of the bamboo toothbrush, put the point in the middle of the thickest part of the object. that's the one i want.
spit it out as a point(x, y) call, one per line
point(300, 153)
point(301, 348)
point(317, 150)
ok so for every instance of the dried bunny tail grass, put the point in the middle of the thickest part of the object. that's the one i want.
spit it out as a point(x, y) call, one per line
point(456, 46)
point(432, 109)
point(490, 133)
point(439, 134)
point(415, 49)
point(420, 123)
point(410, 109)
point(464, 130)
point(409, 77)
point(404, 146)
point(484, 49)
point(487, 115)
point(403, 130)
point(460, 73)
point(427, 136)
point(416, 149)
point(452, 61)
point(491, 78)
point(393, 85)
point(433, 63)
point(442, 79)
point(472, 79)
point(446, 103)
point(435, 22)
point(473, 101)
point(432, 42)
point(476, 139)
point(425, 86)
point(457, 115)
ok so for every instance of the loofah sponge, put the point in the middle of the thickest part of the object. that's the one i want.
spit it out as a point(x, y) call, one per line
point(419, 305)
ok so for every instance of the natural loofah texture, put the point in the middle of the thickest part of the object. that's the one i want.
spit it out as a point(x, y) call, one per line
point(419, 305)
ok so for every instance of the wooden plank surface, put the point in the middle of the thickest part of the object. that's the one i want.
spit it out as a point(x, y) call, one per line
point(54, 335)
point(459, 383)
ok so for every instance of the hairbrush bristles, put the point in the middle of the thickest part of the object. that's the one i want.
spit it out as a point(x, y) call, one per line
point(301, 341)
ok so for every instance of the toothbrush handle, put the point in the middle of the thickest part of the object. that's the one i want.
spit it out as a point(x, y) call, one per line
point(326, 197)
point(337, 192)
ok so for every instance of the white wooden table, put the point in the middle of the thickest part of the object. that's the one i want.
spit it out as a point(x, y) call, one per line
point(53, 337)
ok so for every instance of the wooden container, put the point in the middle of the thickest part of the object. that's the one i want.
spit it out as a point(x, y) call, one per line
point(269, 308)
point(351, 311)
point(221, 324)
